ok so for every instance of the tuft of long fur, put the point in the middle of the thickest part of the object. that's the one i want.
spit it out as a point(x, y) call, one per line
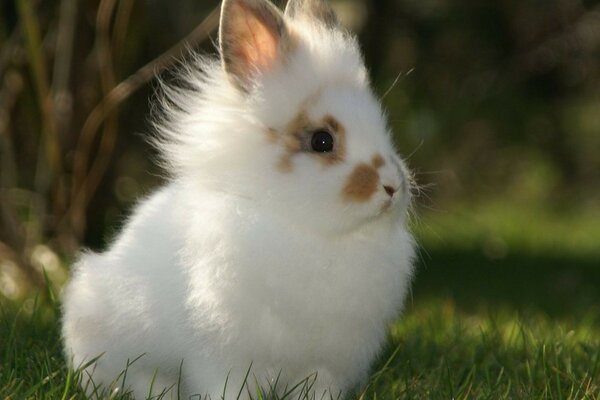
point(254, 253)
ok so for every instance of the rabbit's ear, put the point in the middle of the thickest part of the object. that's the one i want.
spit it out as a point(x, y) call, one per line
point(316, 9)
point(253, 37)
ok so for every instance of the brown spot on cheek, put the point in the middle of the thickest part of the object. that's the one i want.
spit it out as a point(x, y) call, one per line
point(377, 161)
point(362, 183)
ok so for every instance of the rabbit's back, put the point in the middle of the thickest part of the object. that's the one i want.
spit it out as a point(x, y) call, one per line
point(125, 303)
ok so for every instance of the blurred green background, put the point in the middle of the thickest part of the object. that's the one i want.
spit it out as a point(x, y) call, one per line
point(496, 104)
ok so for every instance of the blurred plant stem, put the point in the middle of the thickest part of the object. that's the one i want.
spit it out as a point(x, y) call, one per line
point(85, 185)
point(63, 59)
point(88, 180)
point(34, 208)
point(12, 85)
point(119, 33)
point(51, 143)
point(11, 231)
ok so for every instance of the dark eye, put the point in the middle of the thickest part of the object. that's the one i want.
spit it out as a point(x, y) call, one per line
point(321, 141)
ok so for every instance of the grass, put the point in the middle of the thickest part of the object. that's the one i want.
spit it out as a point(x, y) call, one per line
point(445, 354)
point(505, 305)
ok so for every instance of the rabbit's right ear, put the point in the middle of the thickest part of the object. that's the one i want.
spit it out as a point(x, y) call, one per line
point(253, 37)
point(317, 9)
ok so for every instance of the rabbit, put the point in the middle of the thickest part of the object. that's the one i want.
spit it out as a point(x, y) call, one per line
point(277, 252)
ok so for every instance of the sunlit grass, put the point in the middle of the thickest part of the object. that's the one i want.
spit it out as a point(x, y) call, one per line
point(444, 353)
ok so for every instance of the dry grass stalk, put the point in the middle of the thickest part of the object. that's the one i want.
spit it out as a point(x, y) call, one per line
point(85, 185)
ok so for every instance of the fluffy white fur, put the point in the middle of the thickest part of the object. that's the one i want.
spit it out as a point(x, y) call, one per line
point(235, 262)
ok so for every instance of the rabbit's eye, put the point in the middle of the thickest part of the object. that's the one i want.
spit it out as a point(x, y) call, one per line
point(321, 141)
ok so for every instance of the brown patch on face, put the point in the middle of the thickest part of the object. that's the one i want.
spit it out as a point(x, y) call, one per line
point(272, 135)
point(338, 131)
point(377, 161)
point(332, 123)
point(292, 141)
point(362, 183)
point(296, 140)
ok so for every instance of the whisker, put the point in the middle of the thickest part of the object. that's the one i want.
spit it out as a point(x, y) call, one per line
point(438, 172)
point(415, 150)
point(395, 82)
point(428, 185)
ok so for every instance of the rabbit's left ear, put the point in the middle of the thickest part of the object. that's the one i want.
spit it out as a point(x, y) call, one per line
point(253, 37)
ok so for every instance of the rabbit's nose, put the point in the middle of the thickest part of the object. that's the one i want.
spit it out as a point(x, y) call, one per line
point(390, 190)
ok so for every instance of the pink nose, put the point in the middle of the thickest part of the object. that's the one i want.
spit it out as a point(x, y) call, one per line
point(389, 190)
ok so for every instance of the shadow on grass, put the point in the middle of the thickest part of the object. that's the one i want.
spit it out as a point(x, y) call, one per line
point(560, 286)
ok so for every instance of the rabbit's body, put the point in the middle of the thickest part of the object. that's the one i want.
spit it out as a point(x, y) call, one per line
point(280, 241)
point(254, 290)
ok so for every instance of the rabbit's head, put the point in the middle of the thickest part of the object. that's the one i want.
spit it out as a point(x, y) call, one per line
point(286, 119)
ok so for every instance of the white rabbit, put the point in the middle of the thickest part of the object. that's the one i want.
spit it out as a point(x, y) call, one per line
point(279, 242)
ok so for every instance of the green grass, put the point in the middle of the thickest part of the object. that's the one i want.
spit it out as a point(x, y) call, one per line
point(445, 354)
point(505, 305)
point(31, 364)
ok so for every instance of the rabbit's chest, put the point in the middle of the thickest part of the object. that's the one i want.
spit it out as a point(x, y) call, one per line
point(287, 298)
point(302, 301)
point(282, 284)
point(304, 278)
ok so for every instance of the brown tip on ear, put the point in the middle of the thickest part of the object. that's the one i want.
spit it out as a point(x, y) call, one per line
point(252, 37)
point(317, 9)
